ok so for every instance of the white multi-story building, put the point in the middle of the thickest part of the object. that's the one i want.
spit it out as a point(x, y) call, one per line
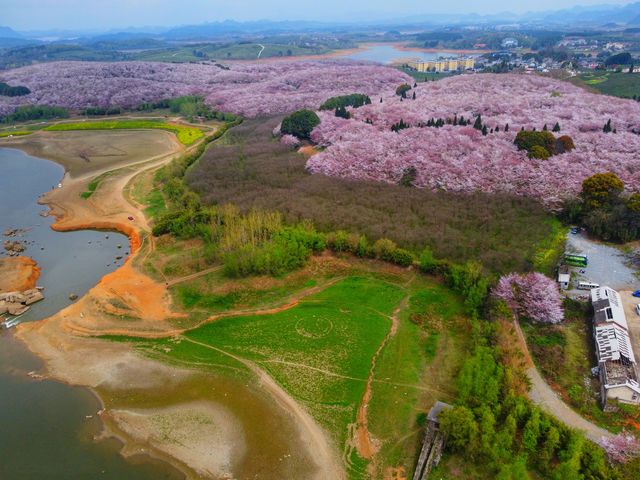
point(617, 366)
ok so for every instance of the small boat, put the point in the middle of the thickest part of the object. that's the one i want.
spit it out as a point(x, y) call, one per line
point(11, 323)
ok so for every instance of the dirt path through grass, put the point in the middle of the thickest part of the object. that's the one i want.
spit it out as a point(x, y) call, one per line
point(366, 445)
point(347, 377)
point(318, 442)
point(194, 276)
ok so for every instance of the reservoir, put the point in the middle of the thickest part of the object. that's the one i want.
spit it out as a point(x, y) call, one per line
point(390, 53)
point(46, 427)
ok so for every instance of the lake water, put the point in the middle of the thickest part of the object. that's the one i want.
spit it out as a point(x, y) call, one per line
point(389, 53)
point(44, 432)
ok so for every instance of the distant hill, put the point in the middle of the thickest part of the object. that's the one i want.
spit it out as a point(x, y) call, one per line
point(14, 42)
point(215, 29)
point(601, 16)
point(595, 15)
point(6, 32)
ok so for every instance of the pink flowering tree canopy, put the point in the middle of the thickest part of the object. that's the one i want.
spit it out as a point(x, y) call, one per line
point(531, 295)
point(458, 157)
point(622, 447)
point(290, 140)
point(249, 89)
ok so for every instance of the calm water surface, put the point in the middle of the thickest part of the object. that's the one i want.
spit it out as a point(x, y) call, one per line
point(44, 432)
point(389, 53)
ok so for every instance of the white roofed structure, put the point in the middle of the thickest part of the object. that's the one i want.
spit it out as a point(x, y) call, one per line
point(616, 360)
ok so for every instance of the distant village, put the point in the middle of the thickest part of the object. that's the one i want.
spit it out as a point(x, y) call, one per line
point(571, 53)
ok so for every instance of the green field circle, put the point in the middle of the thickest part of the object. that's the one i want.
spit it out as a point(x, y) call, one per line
point(314, 327)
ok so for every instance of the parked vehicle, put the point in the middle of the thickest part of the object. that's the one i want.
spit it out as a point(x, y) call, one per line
point(576, 260)
point(636, 293)
point(638, 309)
point(587, 285)
point(575, 231)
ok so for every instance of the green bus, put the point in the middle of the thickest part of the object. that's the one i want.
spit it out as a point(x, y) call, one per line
point(576, 260)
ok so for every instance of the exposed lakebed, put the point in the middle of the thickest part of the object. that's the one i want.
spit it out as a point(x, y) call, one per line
point(47, 428)
point(45, 432)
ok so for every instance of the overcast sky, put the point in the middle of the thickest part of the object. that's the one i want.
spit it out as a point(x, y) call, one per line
point(105, 14)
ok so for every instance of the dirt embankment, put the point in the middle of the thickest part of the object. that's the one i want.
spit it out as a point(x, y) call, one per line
point(18, 274)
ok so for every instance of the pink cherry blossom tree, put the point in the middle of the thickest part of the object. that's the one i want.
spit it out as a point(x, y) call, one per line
point(290, 140)
point(621, 447)
point(531, 295)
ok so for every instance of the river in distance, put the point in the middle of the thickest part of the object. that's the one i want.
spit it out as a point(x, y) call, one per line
point(46, 427)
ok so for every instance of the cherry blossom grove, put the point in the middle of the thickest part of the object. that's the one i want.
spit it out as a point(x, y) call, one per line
point(531, 295)
point(462, 159)
point(250, 89)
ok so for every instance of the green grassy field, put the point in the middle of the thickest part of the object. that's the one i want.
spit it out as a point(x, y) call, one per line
point(424, 76)
point(195, 295)
point(186, 135)
point(426, 352)
point(20, 133)
point(612, 83)
point(321, 352)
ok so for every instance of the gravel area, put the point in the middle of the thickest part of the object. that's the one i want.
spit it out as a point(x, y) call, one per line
point(607, 265)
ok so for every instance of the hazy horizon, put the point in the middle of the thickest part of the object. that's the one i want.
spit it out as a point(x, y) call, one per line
point(27, 15)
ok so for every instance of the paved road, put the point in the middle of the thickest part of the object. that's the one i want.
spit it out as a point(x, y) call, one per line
point(607, 265)
point(543, 395)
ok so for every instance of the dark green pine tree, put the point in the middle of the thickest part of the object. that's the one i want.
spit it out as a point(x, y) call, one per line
point(607, 127)
point(484, 130)
point(414, 95)
point(556, 127)
point(544, 129)
point(506, 127)
point(341, 112)
point(478, 123)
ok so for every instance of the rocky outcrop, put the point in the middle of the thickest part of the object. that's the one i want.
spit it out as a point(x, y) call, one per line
point(18, 274)
point(13, 247)
point(16, 303)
